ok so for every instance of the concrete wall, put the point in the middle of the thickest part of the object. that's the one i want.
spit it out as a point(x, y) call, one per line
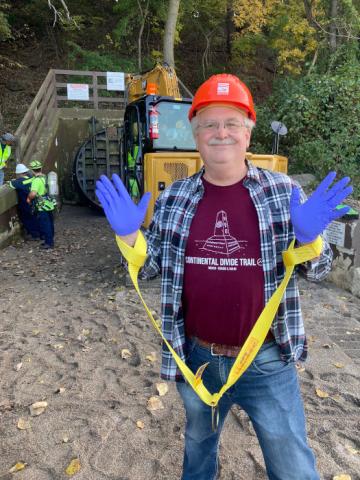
point(344, 238)
point(73, 129)
point(10, 228)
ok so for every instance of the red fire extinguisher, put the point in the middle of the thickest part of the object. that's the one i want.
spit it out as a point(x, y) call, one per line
point(154, 123)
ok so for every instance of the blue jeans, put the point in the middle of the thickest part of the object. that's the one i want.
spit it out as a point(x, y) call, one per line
point(2, 175)
point(269, 393)
point(46, 227)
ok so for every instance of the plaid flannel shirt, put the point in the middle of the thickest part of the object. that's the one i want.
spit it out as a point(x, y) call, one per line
point(166, 242)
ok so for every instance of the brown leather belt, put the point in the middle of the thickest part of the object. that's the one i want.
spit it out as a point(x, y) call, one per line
point(225, 350)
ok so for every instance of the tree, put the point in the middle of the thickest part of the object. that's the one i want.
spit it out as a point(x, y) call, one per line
point(143, 14)
point(170, 29)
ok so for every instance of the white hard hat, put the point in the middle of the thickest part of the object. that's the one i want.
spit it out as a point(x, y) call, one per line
point(21, 168)
point(7, 137)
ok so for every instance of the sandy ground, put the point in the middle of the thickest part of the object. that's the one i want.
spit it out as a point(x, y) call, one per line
point(66, 317)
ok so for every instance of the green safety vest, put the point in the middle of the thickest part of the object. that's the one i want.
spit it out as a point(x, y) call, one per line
point(4, 155)
point(131, 159)
point(43, 202)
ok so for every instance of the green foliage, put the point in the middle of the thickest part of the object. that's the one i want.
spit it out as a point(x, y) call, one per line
point(322, 114)
point(5, 30)
point(129, 18)
point(81, 59)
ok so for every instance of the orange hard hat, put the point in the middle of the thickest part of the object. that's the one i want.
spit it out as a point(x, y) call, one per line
point(225, 89)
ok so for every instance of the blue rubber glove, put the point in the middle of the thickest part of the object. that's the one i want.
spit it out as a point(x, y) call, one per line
point(122, 213)
point(312, 217)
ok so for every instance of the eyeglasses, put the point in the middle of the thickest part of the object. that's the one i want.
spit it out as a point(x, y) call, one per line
point(213, 126)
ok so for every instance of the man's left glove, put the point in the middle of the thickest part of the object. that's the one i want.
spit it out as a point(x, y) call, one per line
point(312, 217)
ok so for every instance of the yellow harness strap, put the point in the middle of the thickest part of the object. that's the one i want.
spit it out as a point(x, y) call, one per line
point(136, 257)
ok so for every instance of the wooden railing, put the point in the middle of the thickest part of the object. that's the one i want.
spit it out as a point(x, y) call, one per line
point(40, 114)
point(50, 97)
point(96, 85)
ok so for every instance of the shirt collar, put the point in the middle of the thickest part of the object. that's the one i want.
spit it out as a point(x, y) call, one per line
point(253, 172)
point(197, 183)
point(252, 175)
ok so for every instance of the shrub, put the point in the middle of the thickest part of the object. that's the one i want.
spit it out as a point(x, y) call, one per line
point(322, 114)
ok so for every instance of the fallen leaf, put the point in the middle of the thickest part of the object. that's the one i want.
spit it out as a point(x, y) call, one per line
point(140, 424)
point(18, 366)
point(300, 368)
point(17, 467)
point(328, 306)
point(162, 388)
point(58, 346)
point(352, 450)
point(73, 467)
point(125, 353)
point(339, 365)
point(38, 408)
point(154, 403)
point(65, 439)
point(23, 424)
point(41, 404)
point(321, 393)
point(60, 390)
point(326, 345)
point(342, 476)
point(151, 357)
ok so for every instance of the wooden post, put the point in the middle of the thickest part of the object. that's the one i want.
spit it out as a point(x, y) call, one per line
point(95, 92)
point(55, 103)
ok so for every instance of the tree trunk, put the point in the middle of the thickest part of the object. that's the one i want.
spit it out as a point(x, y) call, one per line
point(143, 14)
point(169, 35)
point(333, 15)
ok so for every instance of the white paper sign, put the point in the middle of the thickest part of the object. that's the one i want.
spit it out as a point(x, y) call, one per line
point(78, 91)
point(335, 233)
point(115, 81)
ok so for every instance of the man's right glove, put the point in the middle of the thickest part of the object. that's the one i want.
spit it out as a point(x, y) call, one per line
point(124, 216)
point(310, 218)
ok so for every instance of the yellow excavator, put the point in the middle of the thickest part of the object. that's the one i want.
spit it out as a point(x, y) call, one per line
point(157, 144)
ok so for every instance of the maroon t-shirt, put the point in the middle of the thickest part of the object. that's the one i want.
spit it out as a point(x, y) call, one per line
point(223, 292)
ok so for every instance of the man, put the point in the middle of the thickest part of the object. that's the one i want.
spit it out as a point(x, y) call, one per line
point(217, 239)
point(26, 215)
point(43, 206)
point(6, 141)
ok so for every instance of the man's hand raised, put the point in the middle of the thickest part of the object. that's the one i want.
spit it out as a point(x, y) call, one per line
point(310, 218)
point(124, 216)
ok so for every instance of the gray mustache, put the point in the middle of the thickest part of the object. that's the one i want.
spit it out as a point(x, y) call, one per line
point(225, 141)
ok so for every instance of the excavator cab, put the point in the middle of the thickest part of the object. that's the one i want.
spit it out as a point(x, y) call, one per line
point(158, 146)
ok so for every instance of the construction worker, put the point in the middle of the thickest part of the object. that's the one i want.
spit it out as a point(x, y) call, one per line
point(133, 153)
point(131, 163)
point(217, 239)
point(6, 142)
point(43, 205)
point(22, 186)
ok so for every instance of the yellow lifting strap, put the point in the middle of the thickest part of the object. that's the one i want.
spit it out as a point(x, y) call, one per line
point(136, 257)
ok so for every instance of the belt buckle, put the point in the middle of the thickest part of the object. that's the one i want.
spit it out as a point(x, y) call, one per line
point(212, 352)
